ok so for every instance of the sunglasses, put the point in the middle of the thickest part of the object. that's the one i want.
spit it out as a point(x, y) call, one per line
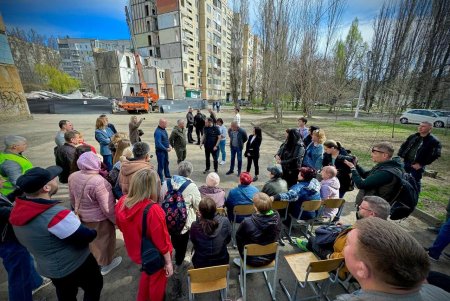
point(377, 151)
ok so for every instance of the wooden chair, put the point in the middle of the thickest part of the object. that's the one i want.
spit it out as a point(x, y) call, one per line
point(240, 210)
point(281, 205)
point(209, 279)
point(310, 271)
point(309, 224)
point(259, 250)
point(221, 211)
point(332, 204)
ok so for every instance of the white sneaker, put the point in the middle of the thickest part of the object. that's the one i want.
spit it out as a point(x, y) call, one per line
point(108, 268)
point(46, 281)
point(237, 261)
point(222, 162)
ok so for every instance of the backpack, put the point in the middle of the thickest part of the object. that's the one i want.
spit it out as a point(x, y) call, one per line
point(175, 208)
point(405, 201)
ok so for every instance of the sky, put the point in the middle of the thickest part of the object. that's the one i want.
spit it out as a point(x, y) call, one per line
point(105, 19)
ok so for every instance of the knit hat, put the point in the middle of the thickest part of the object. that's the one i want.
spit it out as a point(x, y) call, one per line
point(212, 179)
point(275, 170)
point(245, 178)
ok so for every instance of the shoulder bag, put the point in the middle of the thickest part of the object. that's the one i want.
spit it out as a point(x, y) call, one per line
point(152, 259)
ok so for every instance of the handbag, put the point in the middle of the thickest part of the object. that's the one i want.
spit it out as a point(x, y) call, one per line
point(152, 259)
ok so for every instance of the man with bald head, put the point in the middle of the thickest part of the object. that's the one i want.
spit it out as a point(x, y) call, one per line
point(162, 148)
point(420, 149)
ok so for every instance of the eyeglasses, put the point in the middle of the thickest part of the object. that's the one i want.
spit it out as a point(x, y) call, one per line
point(377, 151)
point(361, 207)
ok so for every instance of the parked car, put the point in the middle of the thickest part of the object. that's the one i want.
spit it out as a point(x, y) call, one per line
point(438, 119)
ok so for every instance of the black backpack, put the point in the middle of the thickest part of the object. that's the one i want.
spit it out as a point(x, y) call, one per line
point(405, 201)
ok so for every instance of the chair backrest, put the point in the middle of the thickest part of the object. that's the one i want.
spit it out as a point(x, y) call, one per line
point(279, 205)
point(208, 279)
point(326, 265)
point(311, 205)
point(260, 250)
point(221, 211)
point(333, 203)
point(243, 209)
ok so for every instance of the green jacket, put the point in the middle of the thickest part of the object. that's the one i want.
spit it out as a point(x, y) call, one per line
point(377, 181)
point(178, 138)
point(12, 166)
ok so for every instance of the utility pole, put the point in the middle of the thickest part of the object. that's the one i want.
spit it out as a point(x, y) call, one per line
point(363, 83)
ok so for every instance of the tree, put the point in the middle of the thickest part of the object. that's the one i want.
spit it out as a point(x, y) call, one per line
point(56, 80)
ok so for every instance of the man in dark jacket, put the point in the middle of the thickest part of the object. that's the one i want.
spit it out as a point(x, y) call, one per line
point(162, 147)
point(378, 181)
point(275, 184)
point(199, 123)
point(55, 236)
point(190, 125)
point(22, 276)
point(65, 154)
point(420, 149)
point(238, 137)
point(262, 228)
point(211, 139)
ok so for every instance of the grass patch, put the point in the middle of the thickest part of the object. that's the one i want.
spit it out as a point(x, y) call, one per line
point(360, 135)
point(251, 110)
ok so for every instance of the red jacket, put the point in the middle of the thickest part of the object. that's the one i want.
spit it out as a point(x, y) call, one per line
point(129, 221)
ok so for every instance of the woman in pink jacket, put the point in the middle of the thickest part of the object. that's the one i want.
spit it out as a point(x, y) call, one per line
point(93, 201)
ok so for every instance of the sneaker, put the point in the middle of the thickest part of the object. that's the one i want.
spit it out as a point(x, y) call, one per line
point(108, 268)
point(45, 281)
point(255, 179)
point(222, 162)
point(229, 172)
point(205, 171)
point(301, 244)
point(237, 261)
point(434, 229)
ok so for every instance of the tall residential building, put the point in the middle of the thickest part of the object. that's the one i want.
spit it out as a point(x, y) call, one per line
point(78, 53)
point(189, 37)
point(251, 64)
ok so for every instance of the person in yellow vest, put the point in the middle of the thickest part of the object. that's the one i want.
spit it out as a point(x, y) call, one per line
point(12, 163)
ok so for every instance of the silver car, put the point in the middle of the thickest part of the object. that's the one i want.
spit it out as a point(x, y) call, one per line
point(436, 118)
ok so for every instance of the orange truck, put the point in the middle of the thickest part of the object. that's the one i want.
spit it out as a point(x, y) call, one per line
point(144, 101)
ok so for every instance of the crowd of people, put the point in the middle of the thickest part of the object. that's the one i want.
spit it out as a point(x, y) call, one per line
point(113, 187)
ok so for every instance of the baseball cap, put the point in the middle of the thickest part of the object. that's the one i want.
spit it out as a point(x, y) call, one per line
point(36, 178)
point(275, 170)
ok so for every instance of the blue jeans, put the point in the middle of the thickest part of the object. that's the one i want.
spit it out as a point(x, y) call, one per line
point(22, 276)
point(441, 241)
point(236, 151)
point(222, 149)
point(416, 174)
point(107, 159)
point(163, 164)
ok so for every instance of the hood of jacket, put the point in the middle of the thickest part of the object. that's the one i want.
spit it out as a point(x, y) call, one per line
point(266, 221)
point(210, 190)
point(177, 181)
point(130, 167)
point(89, 161)
point(26, 210)
point(313, 186)
point(333, 183)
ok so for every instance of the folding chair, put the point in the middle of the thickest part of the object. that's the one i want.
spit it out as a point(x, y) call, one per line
point(306, 206)
point(259, 250)
point(280, 205)
point(309, 271)
point(209, 279)
point(332, 204)
point(240, 210)
point(221, 211)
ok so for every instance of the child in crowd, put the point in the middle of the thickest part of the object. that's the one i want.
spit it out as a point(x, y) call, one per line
point(329, 188)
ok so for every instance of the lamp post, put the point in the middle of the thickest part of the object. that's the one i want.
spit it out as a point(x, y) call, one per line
point(363, 83)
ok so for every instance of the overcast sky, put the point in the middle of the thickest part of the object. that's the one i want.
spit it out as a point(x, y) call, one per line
point(105, 19)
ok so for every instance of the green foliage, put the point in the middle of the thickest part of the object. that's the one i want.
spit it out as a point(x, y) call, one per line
point(56, 80)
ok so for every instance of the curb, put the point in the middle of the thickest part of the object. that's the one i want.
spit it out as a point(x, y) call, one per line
point(425, 217)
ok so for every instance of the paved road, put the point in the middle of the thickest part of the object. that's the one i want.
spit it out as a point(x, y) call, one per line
point(121, 284)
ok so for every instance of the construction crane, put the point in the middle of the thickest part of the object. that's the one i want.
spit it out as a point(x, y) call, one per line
point(146, 100)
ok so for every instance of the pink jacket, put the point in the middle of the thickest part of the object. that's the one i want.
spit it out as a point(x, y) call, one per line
point(96, 201)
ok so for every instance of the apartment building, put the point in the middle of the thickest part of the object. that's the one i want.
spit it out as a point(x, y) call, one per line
point(192, 38)
point(79, 53)
point(251, 64)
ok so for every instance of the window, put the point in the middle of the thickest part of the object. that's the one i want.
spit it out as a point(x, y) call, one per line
point(148, 26)
point(185, 77)
point(150, 52)
point(184, 64)
point(161, 74)
point(208, 8)
point(149, 37)
point(163, 91)
point(128, 62)
point(147, 13)
point(154, 12)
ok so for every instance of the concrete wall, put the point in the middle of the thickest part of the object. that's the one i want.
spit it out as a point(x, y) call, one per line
point(13, 105)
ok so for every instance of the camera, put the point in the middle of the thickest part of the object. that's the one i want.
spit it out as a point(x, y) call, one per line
point(349, 158)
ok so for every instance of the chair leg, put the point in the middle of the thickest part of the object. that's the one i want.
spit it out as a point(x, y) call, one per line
point(285, 290)
point(233, 234)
